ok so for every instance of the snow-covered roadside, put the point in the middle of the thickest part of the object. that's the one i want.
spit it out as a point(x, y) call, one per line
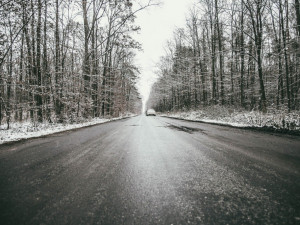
point(274, 120)
point(20, 131)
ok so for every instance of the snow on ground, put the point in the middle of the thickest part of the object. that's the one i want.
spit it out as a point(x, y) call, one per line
point(275, 119)
point(25, 130)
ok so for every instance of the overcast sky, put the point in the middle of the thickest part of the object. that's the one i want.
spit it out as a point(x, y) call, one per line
point(157, 26)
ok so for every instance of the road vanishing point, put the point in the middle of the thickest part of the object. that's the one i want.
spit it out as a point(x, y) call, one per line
point(152, 170)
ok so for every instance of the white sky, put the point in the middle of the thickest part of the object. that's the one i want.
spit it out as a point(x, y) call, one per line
point(157, 25)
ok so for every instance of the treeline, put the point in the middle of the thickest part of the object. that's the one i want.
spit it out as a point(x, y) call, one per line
point(243, 54)
point(62, 60)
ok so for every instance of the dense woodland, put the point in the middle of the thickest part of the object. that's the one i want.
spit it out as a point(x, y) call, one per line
point(63, 60)
point(242, 54)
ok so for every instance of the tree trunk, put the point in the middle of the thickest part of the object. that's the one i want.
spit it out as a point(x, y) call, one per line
point(258, 33)
point(242, 49)
point(57, 64)
point(86, 65)
point(297, 8)
point(220, 48)
point(39, 100)
point(285, 56)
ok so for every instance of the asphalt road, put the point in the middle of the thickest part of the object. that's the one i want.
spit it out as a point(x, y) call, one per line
point(152, 170)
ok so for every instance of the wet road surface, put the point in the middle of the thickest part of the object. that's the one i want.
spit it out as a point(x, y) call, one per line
point(152, 170)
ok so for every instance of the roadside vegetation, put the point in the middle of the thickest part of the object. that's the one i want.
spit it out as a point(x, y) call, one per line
point(234, 61)
point(64, 61)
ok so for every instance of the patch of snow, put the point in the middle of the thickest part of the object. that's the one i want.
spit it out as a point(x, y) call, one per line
point(220, 115)
point(25, 130)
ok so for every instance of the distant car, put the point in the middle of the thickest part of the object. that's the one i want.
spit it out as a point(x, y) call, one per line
point(150, 112)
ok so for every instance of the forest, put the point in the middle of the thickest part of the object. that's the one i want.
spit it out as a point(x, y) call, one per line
point(234, 54)
point(66, 60)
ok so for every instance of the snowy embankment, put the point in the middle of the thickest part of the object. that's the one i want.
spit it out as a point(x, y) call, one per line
point(275, 120)
point(25, 130)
